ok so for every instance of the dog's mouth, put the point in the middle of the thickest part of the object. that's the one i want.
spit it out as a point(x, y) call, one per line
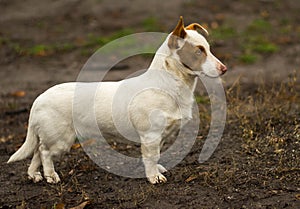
point(203, 74)
point(213, 74)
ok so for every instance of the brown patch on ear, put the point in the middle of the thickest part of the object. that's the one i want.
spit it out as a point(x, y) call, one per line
point(178, 32)
point(196, 26)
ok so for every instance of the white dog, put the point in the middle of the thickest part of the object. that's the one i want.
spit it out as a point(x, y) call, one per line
point(51, 129)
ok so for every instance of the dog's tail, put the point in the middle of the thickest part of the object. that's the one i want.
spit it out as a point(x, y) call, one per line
point(27, 148)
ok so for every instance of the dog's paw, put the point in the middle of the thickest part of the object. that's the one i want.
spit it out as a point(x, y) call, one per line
point(53, 179)
point(161, 168)
point(35, 177)
point(159, 178)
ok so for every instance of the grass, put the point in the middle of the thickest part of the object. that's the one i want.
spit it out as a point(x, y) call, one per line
point(39, 50)
point(264, 121)
point(257, 40)
point(248, 58)
point(94, 40)
point(265, 47)
point(87, 46)
point(202, 99)
point(151, 24)
point(259, 44)
point(43, 49)
point(223, 32)
point(266, 116)
point(259, 26)
point(254, 41)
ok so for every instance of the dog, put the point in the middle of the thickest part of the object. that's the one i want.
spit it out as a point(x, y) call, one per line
point(51, 129)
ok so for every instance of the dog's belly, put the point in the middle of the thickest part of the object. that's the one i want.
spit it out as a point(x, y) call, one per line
point(100, 114)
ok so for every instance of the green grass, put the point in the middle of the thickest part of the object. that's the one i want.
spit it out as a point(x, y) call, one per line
point(223, 32)
point(202, 99)
point(266, 48)
point(90, 43)
point(39, 50)
point(261, 44)
point(259, 26)
point(256, 40)
point(248, 58)
point(151, 24)
point(43, 49)
point(95, 40)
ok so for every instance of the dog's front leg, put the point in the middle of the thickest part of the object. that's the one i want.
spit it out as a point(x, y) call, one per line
point(151, 153)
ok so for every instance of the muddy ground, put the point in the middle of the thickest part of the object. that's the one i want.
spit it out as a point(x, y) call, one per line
point(256, 165)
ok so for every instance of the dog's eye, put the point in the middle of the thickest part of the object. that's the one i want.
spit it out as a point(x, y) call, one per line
point(200, 50)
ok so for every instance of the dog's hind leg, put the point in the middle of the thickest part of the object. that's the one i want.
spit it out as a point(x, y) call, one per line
point(48, 166)
point(33, 171)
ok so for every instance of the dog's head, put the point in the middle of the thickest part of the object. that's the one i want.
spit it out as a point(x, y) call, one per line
point(191, 49)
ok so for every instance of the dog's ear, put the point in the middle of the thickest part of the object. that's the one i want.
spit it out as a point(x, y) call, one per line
point(179, 30)
point(196, 26)
point(177, 34)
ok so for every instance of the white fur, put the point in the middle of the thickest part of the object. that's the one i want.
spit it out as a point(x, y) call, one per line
point(157, 100)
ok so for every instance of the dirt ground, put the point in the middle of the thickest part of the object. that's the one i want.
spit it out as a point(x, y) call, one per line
point(256, 165)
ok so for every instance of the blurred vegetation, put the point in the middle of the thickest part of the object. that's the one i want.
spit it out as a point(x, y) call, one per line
point(257, 39)
point(87, 45)
point(152, 24)
point(254, 41)
point(91, 41)
point(266, 119)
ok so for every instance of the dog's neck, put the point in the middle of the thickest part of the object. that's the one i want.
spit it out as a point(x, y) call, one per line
point(164, 60)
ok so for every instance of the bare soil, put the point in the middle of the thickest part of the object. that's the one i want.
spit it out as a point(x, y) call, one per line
point(256, 165)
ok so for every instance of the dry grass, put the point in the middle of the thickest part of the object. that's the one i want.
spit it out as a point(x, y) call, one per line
point(267, 120)
point(263, 129)
point(269, 111)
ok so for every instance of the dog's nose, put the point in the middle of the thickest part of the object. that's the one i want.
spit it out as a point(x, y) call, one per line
point(222, 68)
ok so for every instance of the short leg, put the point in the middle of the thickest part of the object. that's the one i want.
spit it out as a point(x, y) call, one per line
point(151, 155)
point(33, 171)
point(48, 166)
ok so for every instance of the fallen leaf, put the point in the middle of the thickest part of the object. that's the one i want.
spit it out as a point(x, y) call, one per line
point(18, 94)
point(214, 25)
point(264, 14)
point(76, 146)
point(191, 178)
point(22, 206)
point(82, 205)
point(70, 190)
point(71, 172)
point(41, 53)
point(3, 139)
point(278, 151)
point(60, 206)
point(298, 196)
